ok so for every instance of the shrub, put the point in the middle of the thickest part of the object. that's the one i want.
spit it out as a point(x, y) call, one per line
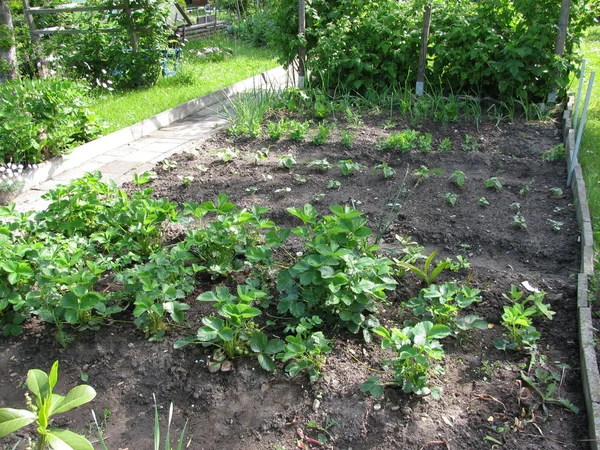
point(43, 118)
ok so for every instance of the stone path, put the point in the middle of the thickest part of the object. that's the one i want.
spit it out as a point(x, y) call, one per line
point(139, 147)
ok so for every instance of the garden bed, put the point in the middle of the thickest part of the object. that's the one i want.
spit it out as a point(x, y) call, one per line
point(485, 401)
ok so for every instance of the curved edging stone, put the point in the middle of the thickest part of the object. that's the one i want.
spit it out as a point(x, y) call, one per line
point(51, 168)
point(589, 363)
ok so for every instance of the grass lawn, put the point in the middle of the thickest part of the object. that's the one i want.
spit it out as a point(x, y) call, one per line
point(589, 152)
point(195, 77)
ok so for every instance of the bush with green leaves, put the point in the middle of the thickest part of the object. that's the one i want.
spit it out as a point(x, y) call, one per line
point(338, 277)
point(40, 119)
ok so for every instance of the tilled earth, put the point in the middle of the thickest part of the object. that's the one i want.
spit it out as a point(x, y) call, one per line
point(485, 402)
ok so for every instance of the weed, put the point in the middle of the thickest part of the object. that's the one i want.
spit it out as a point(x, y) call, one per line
point(277, 129)
point(425, 142)
point(424, 274)
point(246, 112)
point(322, 134)
point(402, 142)
point(298, 130)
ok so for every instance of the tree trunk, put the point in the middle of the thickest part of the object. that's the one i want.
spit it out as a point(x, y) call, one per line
point(8, 52)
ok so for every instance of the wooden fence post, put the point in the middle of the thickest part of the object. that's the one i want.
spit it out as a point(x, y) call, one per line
point(420, 87)
point(131, 26)
point(301, 47)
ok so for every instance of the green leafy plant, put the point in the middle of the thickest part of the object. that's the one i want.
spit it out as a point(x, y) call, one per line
point(425, 142)
point(425, 274)
point(416, 348)
point(385, 169)
point(227, 154)
point(246, 112)
point(493, 183)
point(346, 138)
point(348, 167)
point(482, 201)
point(556, 153)
point(168, 165)
point(298, 130)
point(277, 129)
point(45, 405)
point(286, 161)
point(546, 383)
point(470, 144)
point(451, 198)
point(322, 165)
point(556, 191)
point(186, 180)
point(520, 222)
point(305, 352)
point(459, 178)
point(261, 154)
point(145, 177)
point(402, 142)
point(517, 320)
point(445, 146)
point(556, 225)
point(334, 184)
point(322, 134)
point(523, 190)
point(283, 191)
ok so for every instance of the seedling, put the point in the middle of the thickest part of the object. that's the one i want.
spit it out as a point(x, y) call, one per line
point(385, 169)
point(450, 198)
point(493, 183)
point(515, 207)
point(445, 146)
point(283, 191)
point(318, 197)
point(482, 201)
point(425, 143)
point(459, 178)
point(556, 153)
point(334, 184)
point(348, 167)
point(523, 190)
point(298, 130)
point(470, 143)
point(299, 179)
point(186, 180)
point(276, 129)
point(346, 138)
point(519, 222)
point(261, 154)
point(201, 167)
point(402, 142)
point(143, 178)
point(227, 154)
point(168, 165)
point(424, 274)
point(322, 165)
point(45, 405)
point(286, 161)
point(556, 225)
point(251, 190)
point(544, 383)
point(321, 135)
point(556, 191)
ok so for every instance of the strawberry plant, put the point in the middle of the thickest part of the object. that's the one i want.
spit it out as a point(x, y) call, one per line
point(493, 183)
point(286, 161)
point(348, 167)
point(385, 169)
point(322, 165)
point(459, 178)
point(305, 352)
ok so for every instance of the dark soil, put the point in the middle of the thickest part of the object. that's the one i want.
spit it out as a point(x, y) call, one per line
point(484, 396)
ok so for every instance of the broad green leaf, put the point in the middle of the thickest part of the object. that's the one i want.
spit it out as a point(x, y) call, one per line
point(67, 440)
point(53, 375)
point(183, 342)
point(13, 419)
point(266, 362)
point(77, 396)
point(38, 384)
point(258, 342)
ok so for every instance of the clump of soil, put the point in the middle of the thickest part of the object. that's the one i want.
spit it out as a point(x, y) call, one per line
point(485, 399)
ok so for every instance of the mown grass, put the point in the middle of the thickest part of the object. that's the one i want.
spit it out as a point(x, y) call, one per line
point(194, 78)
point(589, 152)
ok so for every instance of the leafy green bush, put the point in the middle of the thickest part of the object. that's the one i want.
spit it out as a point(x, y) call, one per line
point(40, 119)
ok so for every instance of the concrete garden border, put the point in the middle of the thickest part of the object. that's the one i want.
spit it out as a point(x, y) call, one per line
point(589, 363)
